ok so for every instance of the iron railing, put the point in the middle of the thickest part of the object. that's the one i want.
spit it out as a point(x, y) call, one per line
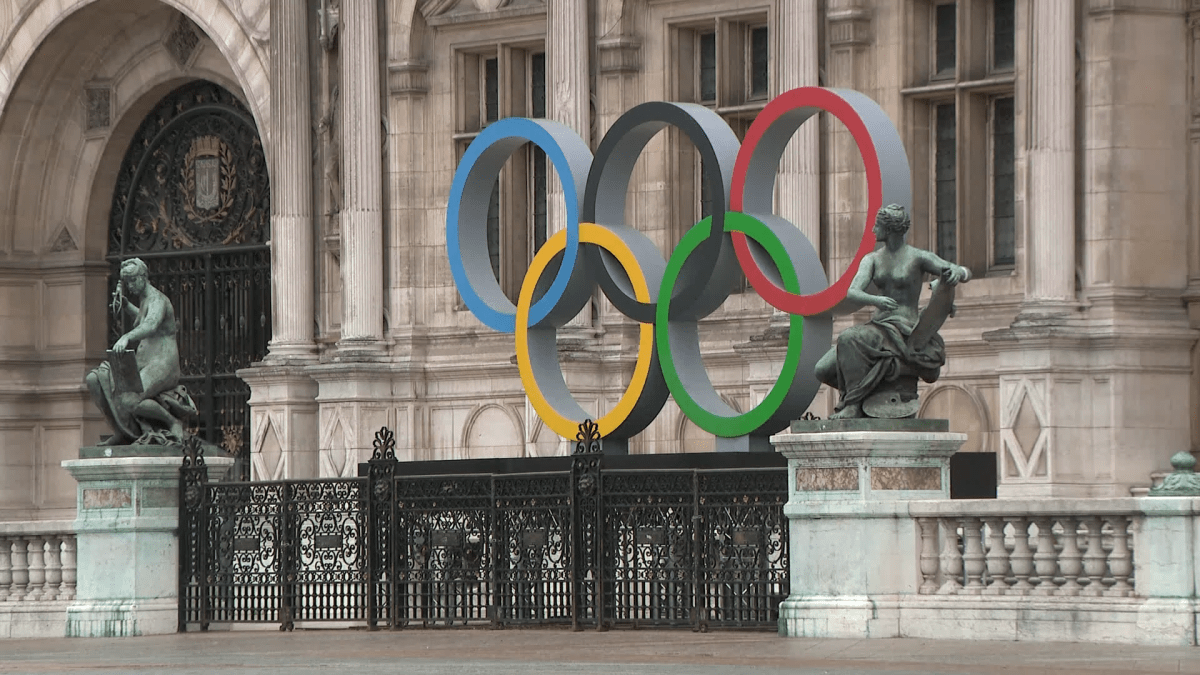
point(588, 540)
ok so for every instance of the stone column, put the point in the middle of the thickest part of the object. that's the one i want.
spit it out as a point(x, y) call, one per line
point(283, 409)
point(1051, 262)
point(291, 184)
point(568, 95)
point(799, 189)
point(362, 181)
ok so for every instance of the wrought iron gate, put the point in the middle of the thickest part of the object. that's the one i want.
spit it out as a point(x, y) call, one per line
point(192, 201)
point(586, 540)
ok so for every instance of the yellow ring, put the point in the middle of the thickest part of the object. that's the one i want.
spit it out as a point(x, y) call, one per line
point(589, 233)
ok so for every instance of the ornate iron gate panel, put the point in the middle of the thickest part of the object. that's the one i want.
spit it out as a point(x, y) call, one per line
point(595, 540)
point(192, 201)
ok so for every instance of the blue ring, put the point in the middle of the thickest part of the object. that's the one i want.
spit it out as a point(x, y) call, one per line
point(466, 214)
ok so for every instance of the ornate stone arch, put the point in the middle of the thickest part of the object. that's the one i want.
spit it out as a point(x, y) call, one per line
point(965, 410)
point(480, 413)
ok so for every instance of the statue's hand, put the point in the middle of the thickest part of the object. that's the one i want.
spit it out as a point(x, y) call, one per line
point(121, 344)
point(957, 274)
point(885, 303)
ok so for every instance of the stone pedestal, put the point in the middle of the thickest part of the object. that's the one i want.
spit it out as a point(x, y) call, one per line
point(849, 484)
point(126, 534)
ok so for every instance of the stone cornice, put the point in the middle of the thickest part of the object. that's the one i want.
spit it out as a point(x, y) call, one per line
point(491, 17)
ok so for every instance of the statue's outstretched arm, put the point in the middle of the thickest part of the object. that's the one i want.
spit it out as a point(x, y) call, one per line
point(935, 265)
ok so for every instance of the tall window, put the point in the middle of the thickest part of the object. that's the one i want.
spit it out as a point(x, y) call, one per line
point(723, 64)
point(964, 59)
point(508, 81)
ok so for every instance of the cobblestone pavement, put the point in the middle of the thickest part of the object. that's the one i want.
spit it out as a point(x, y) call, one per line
point(546, 651)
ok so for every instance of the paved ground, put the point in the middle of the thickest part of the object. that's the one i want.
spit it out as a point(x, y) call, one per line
point(546, 652)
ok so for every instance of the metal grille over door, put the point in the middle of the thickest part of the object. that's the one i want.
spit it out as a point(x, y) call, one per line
point(192, 201)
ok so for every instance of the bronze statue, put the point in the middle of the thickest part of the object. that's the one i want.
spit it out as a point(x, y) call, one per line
point(139, 391)
point(875, 365)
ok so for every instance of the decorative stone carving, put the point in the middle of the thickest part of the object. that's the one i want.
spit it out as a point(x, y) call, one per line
point(182, 41)
point(138, 391)
point(621, 54)
point(64, 242)
point(98, 102)
point(849, 27)
point(876, 365)
point(408, 78)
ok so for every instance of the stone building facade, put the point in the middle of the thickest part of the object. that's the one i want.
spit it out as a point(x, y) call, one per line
point(1054, 147)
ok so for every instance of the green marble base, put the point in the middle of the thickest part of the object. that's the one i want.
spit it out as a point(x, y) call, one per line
point(869, 424)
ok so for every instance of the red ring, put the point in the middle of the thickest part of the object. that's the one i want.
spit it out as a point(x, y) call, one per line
point(831, 102)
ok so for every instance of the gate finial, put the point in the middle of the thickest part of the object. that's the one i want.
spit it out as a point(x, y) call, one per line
point(587, 441)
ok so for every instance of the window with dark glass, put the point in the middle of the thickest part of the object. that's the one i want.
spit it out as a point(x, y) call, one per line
point(537, 87)
point(945, 40)
point(1003, 182)
point(708, 67)
point(759, 52)
point(945, 185)
point(1003, 34)
point(491, 88)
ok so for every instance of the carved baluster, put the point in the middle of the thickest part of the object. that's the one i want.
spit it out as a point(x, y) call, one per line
point(37, 568)
point(68, 568)
point(929, 555)
point(6, 576)
point(53, 568)
point(952, 563)
point(973, 555)
point(1120, 560)
point(20, 569)
point(1070, 559)
point(1095, 561)
point(1022, 557)
point(997, 557)
point(1045, 559)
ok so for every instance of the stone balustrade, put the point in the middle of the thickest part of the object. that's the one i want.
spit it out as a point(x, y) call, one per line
point(988, 549)
point(37, 561)
point(37, 577)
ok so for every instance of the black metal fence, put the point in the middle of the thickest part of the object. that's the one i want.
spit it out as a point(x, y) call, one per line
point(598, 540)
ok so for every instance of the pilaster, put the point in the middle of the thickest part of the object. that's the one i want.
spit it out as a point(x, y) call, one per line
point(1051, 156)
point(568, 95)
point(362, 184)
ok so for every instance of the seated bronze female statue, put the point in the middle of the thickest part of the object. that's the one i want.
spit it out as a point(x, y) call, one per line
point(875, 365)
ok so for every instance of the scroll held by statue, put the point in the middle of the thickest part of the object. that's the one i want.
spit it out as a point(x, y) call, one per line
point(126, 376)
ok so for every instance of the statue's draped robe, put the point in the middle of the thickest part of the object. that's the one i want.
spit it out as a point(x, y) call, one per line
point(876, 352)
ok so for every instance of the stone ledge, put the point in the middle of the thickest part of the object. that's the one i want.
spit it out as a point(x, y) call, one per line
point(1032, 619)
point(42, 619)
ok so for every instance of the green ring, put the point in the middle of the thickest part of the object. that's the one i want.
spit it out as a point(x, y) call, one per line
point(735, 424)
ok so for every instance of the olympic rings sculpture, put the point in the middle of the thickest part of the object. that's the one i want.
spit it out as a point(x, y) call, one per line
point(669, 297)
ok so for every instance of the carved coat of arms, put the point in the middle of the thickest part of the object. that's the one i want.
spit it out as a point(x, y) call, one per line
point(209, 180)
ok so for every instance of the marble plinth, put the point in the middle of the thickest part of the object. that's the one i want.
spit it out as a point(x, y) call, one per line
point(849, 483)
point(126, 534)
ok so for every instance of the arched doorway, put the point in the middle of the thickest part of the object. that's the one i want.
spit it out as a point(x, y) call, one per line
point(192, 200)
